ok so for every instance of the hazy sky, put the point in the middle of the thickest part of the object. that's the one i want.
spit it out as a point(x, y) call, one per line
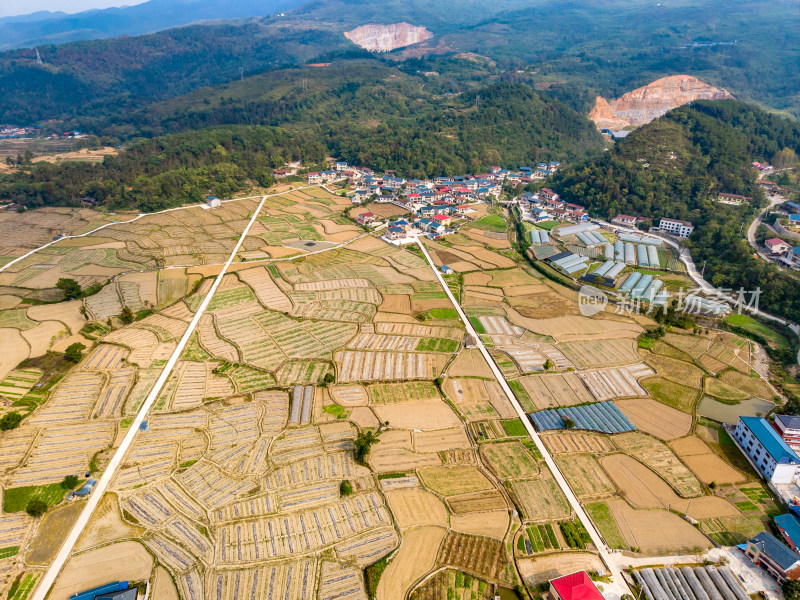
point(10, 8)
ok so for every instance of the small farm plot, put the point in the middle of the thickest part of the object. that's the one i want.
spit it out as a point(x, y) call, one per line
point(451, 481)
point(588, 354)
point(14, 446)
point(603, 417)
point(660, 458)
point(466, 505)
point(18, 383)
point(105, 358)
point(538, 538)
point(412, 507)
point(478, 398)
point(574, 442)
point(389, 393)
point(482, 556)
point(585, 476)
point(609, 384)
point(340, 581)
point(422, 331)
point(656, 533)
point(349, 395)
point(509, 460)
point(72, 401)
point(265, 288)
point(454, 585)
point(549, 391)
point(295, 579)
point(372, 366)
point(677, 370)
point(655, 418)
point(539, 499)
point(704, 463)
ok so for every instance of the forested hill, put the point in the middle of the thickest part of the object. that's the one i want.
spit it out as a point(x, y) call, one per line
point(501, 124)
point(675, 166)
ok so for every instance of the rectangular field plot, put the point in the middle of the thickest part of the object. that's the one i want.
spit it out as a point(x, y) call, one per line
point(585, 476)
point(303, 532)
point(14, 446)
point(296, 444)
point(207, 484)
point(550, 391)
point(18, 383)
point(660, 458)
point(372, 366)
point(309, 471)
point(376, 341)
point(302, 372)
point(13, 529)
point(388, 393)
point(105, 358)
point(539, 499)
point(603, 417)
point(246, 509)
point(423, 331)
point(341, 582)
point(475, 554)
point(287, 580)
point(72, 401)
point(113, 396)
point(609, 384)
point(587, 354)
point(62, 450)
point(569, 442)
point(510, 460)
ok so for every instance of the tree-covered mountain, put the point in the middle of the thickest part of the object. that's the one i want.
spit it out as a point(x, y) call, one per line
point(369, 124)
point(48, 28)
point(675, 166)
point(605, 46)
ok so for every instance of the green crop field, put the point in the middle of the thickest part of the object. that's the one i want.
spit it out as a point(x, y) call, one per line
point(514, 428)
point(16, 499)
point(494, 223)
point(437, 345)
point(604, 521)
point(748, 323)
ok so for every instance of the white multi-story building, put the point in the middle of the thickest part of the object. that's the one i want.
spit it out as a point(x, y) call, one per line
point(676, 227)
point(772, 456)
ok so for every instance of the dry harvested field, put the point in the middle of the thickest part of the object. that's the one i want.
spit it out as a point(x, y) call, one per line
point(470, 363)
point(417, 556)
point(477, 502)
point(390, 393)
point(549, 391)
point(424, 415)
point(585, 477)
point(704, 463)
point(349, 395)
point(441, 440)
point(568, 442)
point(393, 460)
point(509, 460)
point(452, 481)
point(755, 386)
point(656, 532)
point(540, 499)
point(412, 507)
point(578, 328)
point(609, 384)
point(660, 458)
point(544, 568)
point(493, 523)
point(371, 366)
point(655, 418)
point(594, 353)
point(676, 370)
point(478, 399)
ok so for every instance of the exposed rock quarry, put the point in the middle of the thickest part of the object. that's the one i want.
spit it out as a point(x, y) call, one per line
point(651, 101)
point(384, 38)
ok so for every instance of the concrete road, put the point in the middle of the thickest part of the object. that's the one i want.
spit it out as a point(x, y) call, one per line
point(66, 549)
point(611, 591)
point(751, 231)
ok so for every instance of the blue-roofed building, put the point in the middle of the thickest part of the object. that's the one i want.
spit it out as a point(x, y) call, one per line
point(772, 456)
point(110, 591)
point(769, 553)
point(789, 527)
point(86, 489)
point(792, 206)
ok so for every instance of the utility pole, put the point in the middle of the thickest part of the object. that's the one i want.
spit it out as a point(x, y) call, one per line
point(38, 57)
point(242, 72)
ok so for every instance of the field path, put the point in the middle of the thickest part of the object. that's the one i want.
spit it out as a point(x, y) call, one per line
point(611, 591)
point(66, 549)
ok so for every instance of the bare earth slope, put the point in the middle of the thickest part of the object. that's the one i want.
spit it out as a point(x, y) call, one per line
point(647, 103)
point(384, 38)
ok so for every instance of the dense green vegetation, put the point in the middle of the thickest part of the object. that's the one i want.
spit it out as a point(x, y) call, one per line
point(675, 166)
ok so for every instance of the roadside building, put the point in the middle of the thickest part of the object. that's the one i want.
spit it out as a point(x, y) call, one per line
point(575, 586)
point(676, 227)
point(772, 456)
point(213, 202)
point(118, 590)
point(777, 246)
point(789, 527)
point(365, 218)
point(792, 257)
point(788, 427)
point(446, 270)
point(769, 553)
point(626, 220)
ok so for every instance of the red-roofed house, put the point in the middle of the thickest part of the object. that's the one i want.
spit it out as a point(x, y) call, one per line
point(777, 246)
point(442, 219)
point(624, 220)
point(577, 586)
point(365, 218)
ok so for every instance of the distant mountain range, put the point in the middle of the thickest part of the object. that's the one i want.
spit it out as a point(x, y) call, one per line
point(46, 27)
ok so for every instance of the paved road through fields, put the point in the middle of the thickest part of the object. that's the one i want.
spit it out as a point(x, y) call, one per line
point(618, 587)
point(66, 549)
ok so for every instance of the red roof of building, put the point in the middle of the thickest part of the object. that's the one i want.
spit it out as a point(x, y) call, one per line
point(577, 586)
point(441, 217)
point(774, 242)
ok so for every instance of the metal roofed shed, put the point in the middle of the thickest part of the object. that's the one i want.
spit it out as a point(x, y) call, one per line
point(772, 442)
point(129, 594)
point(103, 591)
point(86, 489)
point(789, 527)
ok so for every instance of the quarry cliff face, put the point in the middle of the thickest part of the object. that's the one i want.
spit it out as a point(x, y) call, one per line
point(384, 38)
point(647, 103)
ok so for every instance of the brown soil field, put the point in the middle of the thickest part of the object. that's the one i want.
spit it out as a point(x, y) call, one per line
point(417, 556)
point(397, 303)
point(655, 418)
point(540, 499)
point(396, 460)
point(564, 442)
point(452, 481)
point(163, 586)
point(425, 305)
point(548, 391)
point(428, 414)
point(526, 290)
point(676, 370)
point(479, 236)
point(601, 352)
point(470, 363)
point(349, 395)
point(83, 155)
point(644, 489)
point(656, 532)
point(492, 523)
point(483, 556)
point(125, 561)
point(15, 350)
point(544, 568)
point(543, 305)
point(507, 278)
point(477, 502)
point(585, 477)
point(107, 525)
point(412, 507)
point(660, 458)
point(43, 336)
point(509, 460)
point(7, 301)
point(65, 312)
point(704, 463)
point(479, 399)
point(440, 440)
point(480, 278)
point(578, 328)
point(52, 532)
point(363, 417)
point(755, 386)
